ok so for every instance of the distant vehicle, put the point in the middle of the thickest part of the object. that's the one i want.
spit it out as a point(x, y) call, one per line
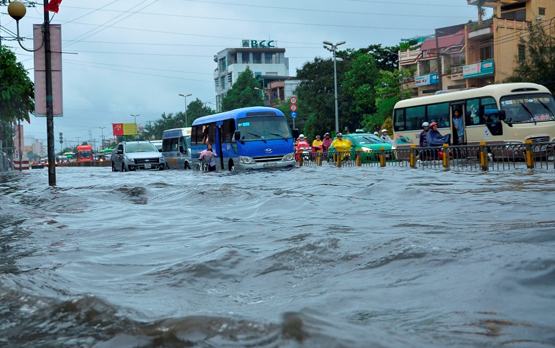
point(176, 148)
point(158, 144)
point(500, 113)
point(84, 154)
point(367, 144)
point(132, 155)
point(247, 138)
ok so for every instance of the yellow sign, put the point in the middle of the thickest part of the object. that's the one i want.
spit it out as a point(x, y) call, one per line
point(129, 129)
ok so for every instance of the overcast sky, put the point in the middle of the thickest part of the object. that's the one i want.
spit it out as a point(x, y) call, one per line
point(126, 57)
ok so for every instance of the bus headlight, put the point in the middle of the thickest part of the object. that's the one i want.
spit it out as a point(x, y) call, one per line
point(246, 160)
point(366, 149)
point(288, 157)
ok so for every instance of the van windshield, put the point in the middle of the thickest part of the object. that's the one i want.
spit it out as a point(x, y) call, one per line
point(263, 128)
point(529, 108)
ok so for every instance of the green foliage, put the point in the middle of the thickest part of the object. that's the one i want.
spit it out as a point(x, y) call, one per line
point(387, 58)
point(358, 83)
point(16, 89)
point(195, 109)
point(246, 91)
point(388, 92)
point(539, 65)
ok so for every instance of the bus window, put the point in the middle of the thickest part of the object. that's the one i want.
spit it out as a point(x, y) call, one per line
point(473, 116)
point(203, 134)
point(228, 129)
point(440, 114)
point(399, 120)
point(414, 117)
point(488, 104)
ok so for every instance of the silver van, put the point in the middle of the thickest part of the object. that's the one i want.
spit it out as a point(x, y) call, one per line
point(176, 148)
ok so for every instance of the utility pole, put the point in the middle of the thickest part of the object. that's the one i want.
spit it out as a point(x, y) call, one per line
point(333, 48)
point(102, 136)
point(438, 60)
point(185, 97)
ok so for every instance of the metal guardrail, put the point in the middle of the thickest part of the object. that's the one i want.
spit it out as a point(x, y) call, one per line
point(482, 157)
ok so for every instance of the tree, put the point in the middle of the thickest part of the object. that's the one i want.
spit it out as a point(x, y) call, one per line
point(197, 109)
point(16, 94)
point(358, 83)
point(387, 58)
point(388, 92)
point(246, 91)
point(539, 64)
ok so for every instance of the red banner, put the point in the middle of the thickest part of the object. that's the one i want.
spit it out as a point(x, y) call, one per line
point(117, 129)
point(53, 5)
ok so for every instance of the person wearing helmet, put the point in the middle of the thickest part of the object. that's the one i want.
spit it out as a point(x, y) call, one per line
point(434, 137)
point(385, 136)
point(317, 144)
point(342, 146)
point(326, 143)
point(301, 146)
point(424, 134)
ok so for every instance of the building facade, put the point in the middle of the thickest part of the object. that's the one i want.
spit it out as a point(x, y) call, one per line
point(267, 62)
point(478, 53)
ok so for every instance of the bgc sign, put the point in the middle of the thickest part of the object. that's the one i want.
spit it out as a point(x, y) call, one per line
point(259, 44)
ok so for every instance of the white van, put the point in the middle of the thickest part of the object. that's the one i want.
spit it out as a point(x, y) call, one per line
point(176, 148)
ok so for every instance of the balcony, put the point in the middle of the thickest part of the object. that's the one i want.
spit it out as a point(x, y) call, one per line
point(408, 57)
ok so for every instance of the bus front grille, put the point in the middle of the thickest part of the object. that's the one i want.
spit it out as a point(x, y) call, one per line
point(268, 159)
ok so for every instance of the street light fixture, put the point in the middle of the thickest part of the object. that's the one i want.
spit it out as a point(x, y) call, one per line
point(333, 48)
point(185, 97)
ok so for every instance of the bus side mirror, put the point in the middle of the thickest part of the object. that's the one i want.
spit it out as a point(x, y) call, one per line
point(296, 133)
point(237, 135)
point(501, 115)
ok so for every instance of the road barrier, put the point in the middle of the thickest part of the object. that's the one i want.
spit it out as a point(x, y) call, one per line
point(476, 157)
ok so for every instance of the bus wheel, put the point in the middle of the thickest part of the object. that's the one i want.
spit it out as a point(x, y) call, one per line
point(231, 166)
point(187, 166)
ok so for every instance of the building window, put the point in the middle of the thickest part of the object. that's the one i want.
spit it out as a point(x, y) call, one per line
point(229, 78)
point(217, 82)
point(521, 53)
point(541, 11)
point(485, 53)
point(257, 58)
point(222, 82)
point(245, 57)
point(268, 58)
point(222, 64)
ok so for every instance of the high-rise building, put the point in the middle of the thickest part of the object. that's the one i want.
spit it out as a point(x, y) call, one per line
point(267, 62)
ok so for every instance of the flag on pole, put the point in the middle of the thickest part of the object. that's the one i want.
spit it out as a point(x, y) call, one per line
point(53, 5)
point(117, 129)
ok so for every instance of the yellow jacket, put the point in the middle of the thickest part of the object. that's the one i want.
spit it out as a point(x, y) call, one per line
point(317, 145)
point(341, 145)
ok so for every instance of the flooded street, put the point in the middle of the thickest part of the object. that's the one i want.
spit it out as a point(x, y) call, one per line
point(312, 257)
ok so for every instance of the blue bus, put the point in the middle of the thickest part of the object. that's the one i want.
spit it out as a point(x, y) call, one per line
point(247, 138)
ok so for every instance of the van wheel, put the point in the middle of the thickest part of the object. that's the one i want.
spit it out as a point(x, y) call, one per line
point(123, 169)
point(231, 166)
point(113, 167)
point(187, 166)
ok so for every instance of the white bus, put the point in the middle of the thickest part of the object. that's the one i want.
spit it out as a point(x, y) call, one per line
point(527, 113)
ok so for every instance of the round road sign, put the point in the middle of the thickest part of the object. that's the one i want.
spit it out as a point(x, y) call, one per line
point(293, 100)
point(293, 107)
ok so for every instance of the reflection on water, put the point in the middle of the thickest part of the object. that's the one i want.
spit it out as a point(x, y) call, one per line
point(326, 257)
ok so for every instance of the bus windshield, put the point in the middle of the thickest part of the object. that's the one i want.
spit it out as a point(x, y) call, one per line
point(529, 108)
point(141, 147)
point(263, 128)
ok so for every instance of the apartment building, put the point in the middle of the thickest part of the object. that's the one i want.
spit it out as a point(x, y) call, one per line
point(265, 60)
point(491, 49)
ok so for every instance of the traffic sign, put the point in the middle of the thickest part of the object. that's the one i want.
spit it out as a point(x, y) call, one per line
point(293, 115)
point(293, 107)
point(293, 100)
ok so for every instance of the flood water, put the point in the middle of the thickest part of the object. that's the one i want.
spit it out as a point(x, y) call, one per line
point(310, 257)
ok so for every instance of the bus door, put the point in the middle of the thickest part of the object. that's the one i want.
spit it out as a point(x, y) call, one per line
point(457, 121)
point(219, 140)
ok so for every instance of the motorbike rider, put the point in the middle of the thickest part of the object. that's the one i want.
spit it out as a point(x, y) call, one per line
point(342, 146)
point(301, 146)
point(434, 137)
point(317, 144)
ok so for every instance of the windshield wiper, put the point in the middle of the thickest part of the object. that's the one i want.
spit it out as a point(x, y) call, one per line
point(279, 135)
point(258, 136)
point(529, 112)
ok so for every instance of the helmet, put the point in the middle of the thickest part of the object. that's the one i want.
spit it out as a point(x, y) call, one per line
point(301, 136)
point(384, 130)
point(425, 124)
point(376, 133)
point(339, 134)
point(326, 133)
point(433, 124)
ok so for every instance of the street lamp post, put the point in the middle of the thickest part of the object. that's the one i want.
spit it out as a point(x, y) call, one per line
point(136, 127)
point(185, 97)
point(17, 11)
point(333, 48)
